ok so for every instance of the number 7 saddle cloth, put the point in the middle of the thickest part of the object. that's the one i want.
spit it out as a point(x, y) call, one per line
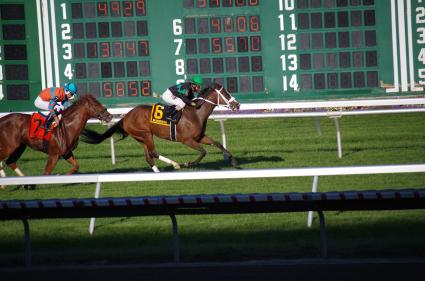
point(37, 129)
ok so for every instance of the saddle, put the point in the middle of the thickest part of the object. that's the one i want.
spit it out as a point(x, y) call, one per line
point(172, 114)
point(164, 114)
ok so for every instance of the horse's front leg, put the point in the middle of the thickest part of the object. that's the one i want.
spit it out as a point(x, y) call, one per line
point(51, 163)
point(197, 146)
point(209, 141)
point(71, 159)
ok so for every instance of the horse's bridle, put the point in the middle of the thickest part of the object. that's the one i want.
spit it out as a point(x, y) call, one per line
point(219, 94)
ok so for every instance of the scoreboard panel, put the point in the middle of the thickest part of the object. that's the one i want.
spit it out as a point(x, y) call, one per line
point(128, 52)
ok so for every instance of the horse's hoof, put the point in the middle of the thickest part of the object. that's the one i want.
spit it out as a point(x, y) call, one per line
point(190, 165)
point(233, 162)
point(29, 186)
point(176, 166)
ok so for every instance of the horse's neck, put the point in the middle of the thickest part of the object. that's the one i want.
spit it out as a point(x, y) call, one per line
point(205, 111)
point(75, 122)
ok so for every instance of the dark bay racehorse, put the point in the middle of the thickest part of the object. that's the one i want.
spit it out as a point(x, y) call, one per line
point(190, 129)
point(14, 135)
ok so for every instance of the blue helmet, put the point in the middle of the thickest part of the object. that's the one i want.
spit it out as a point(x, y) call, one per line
point(72, 88)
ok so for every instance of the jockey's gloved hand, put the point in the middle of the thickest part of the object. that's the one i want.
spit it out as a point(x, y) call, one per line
point(193, 104)
point(59, 108)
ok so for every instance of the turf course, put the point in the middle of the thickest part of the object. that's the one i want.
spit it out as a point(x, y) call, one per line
point(257, 144)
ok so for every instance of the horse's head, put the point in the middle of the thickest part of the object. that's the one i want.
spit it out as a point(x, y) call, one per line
point(95, 108)
point(218, 95)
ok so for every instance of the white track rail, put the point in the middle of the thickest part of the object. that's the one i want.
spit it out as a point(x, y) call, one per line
point(214, 175)
point(209, 175)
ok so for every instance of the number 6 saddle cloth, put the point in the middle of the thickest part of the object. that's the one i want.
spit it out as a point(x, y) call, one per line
point(158, 117)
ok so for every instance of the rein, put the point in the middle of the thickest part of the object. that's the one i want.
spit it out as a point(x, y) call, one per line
point(219, 94)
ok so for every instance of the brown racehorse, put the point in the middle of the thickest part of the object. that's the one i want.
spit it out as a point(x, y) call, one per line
point(190, 129)
point(14, 135)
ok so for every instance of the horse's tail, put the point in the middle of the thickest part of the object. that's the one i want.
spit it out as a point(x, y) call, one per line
point(90, 136)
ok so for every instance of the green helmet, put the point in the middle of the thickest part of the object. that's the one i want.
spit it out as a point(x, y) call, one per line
point(197, 80)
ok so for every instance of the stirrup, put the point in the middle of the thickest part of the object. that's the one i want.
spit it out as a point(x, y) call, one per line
point(51, 126)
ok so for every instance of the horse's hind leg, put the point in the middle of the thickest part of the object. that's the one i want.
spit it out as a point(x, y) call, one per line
point(150, 158)
point(2, 174)
point(11, 162)
point(146, 140)
point(169, 161)
point(209, 141)
point(14, 157)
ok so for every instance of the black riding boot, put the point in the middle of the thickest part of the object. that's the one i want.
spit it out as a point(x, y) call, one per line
point(48, 123)
point(170, 115)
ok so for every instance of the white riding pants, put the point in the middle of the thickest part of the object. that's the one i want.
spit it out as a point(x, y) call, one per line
point(41, 104)
point(170, 99)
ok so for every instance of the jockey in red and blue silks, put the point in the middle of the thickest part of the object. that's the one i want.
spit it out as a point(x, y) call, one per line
point(55, 100)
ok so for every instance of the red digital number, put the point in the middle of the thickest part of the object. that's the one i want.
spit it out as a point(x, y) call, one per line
point(146, 88)
point(201, 3)
point(102, 9)
point(216, 45)
point(230, 44)
point(130, 49)
point(241, 24)
point(215, 25)
point(107, 89)
point(115, 9)
point(141, 8)
point(128, 8)
point(255, 43)
point(133, 90)
point(120, 89)
point(228, 24)
point(117, 49)
point(243, 44)
point(227, 3)
point(240, 3)
point(143, 48)
point(92, 50)
point(105, 51)
point(214, 3)
point(232, 84)
point(253, 2)
point(254, 23)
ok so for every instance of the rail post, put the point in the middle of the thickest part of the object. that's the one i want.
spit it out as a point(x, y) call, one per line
point(28, 262)
point(176, 247)
point(313, 189)
point(323, 243)
point(93, 220)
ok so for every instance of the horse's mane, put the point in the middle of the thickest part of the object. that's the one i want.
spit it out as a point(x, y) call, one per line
point(81, 100)
point(204, 92)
